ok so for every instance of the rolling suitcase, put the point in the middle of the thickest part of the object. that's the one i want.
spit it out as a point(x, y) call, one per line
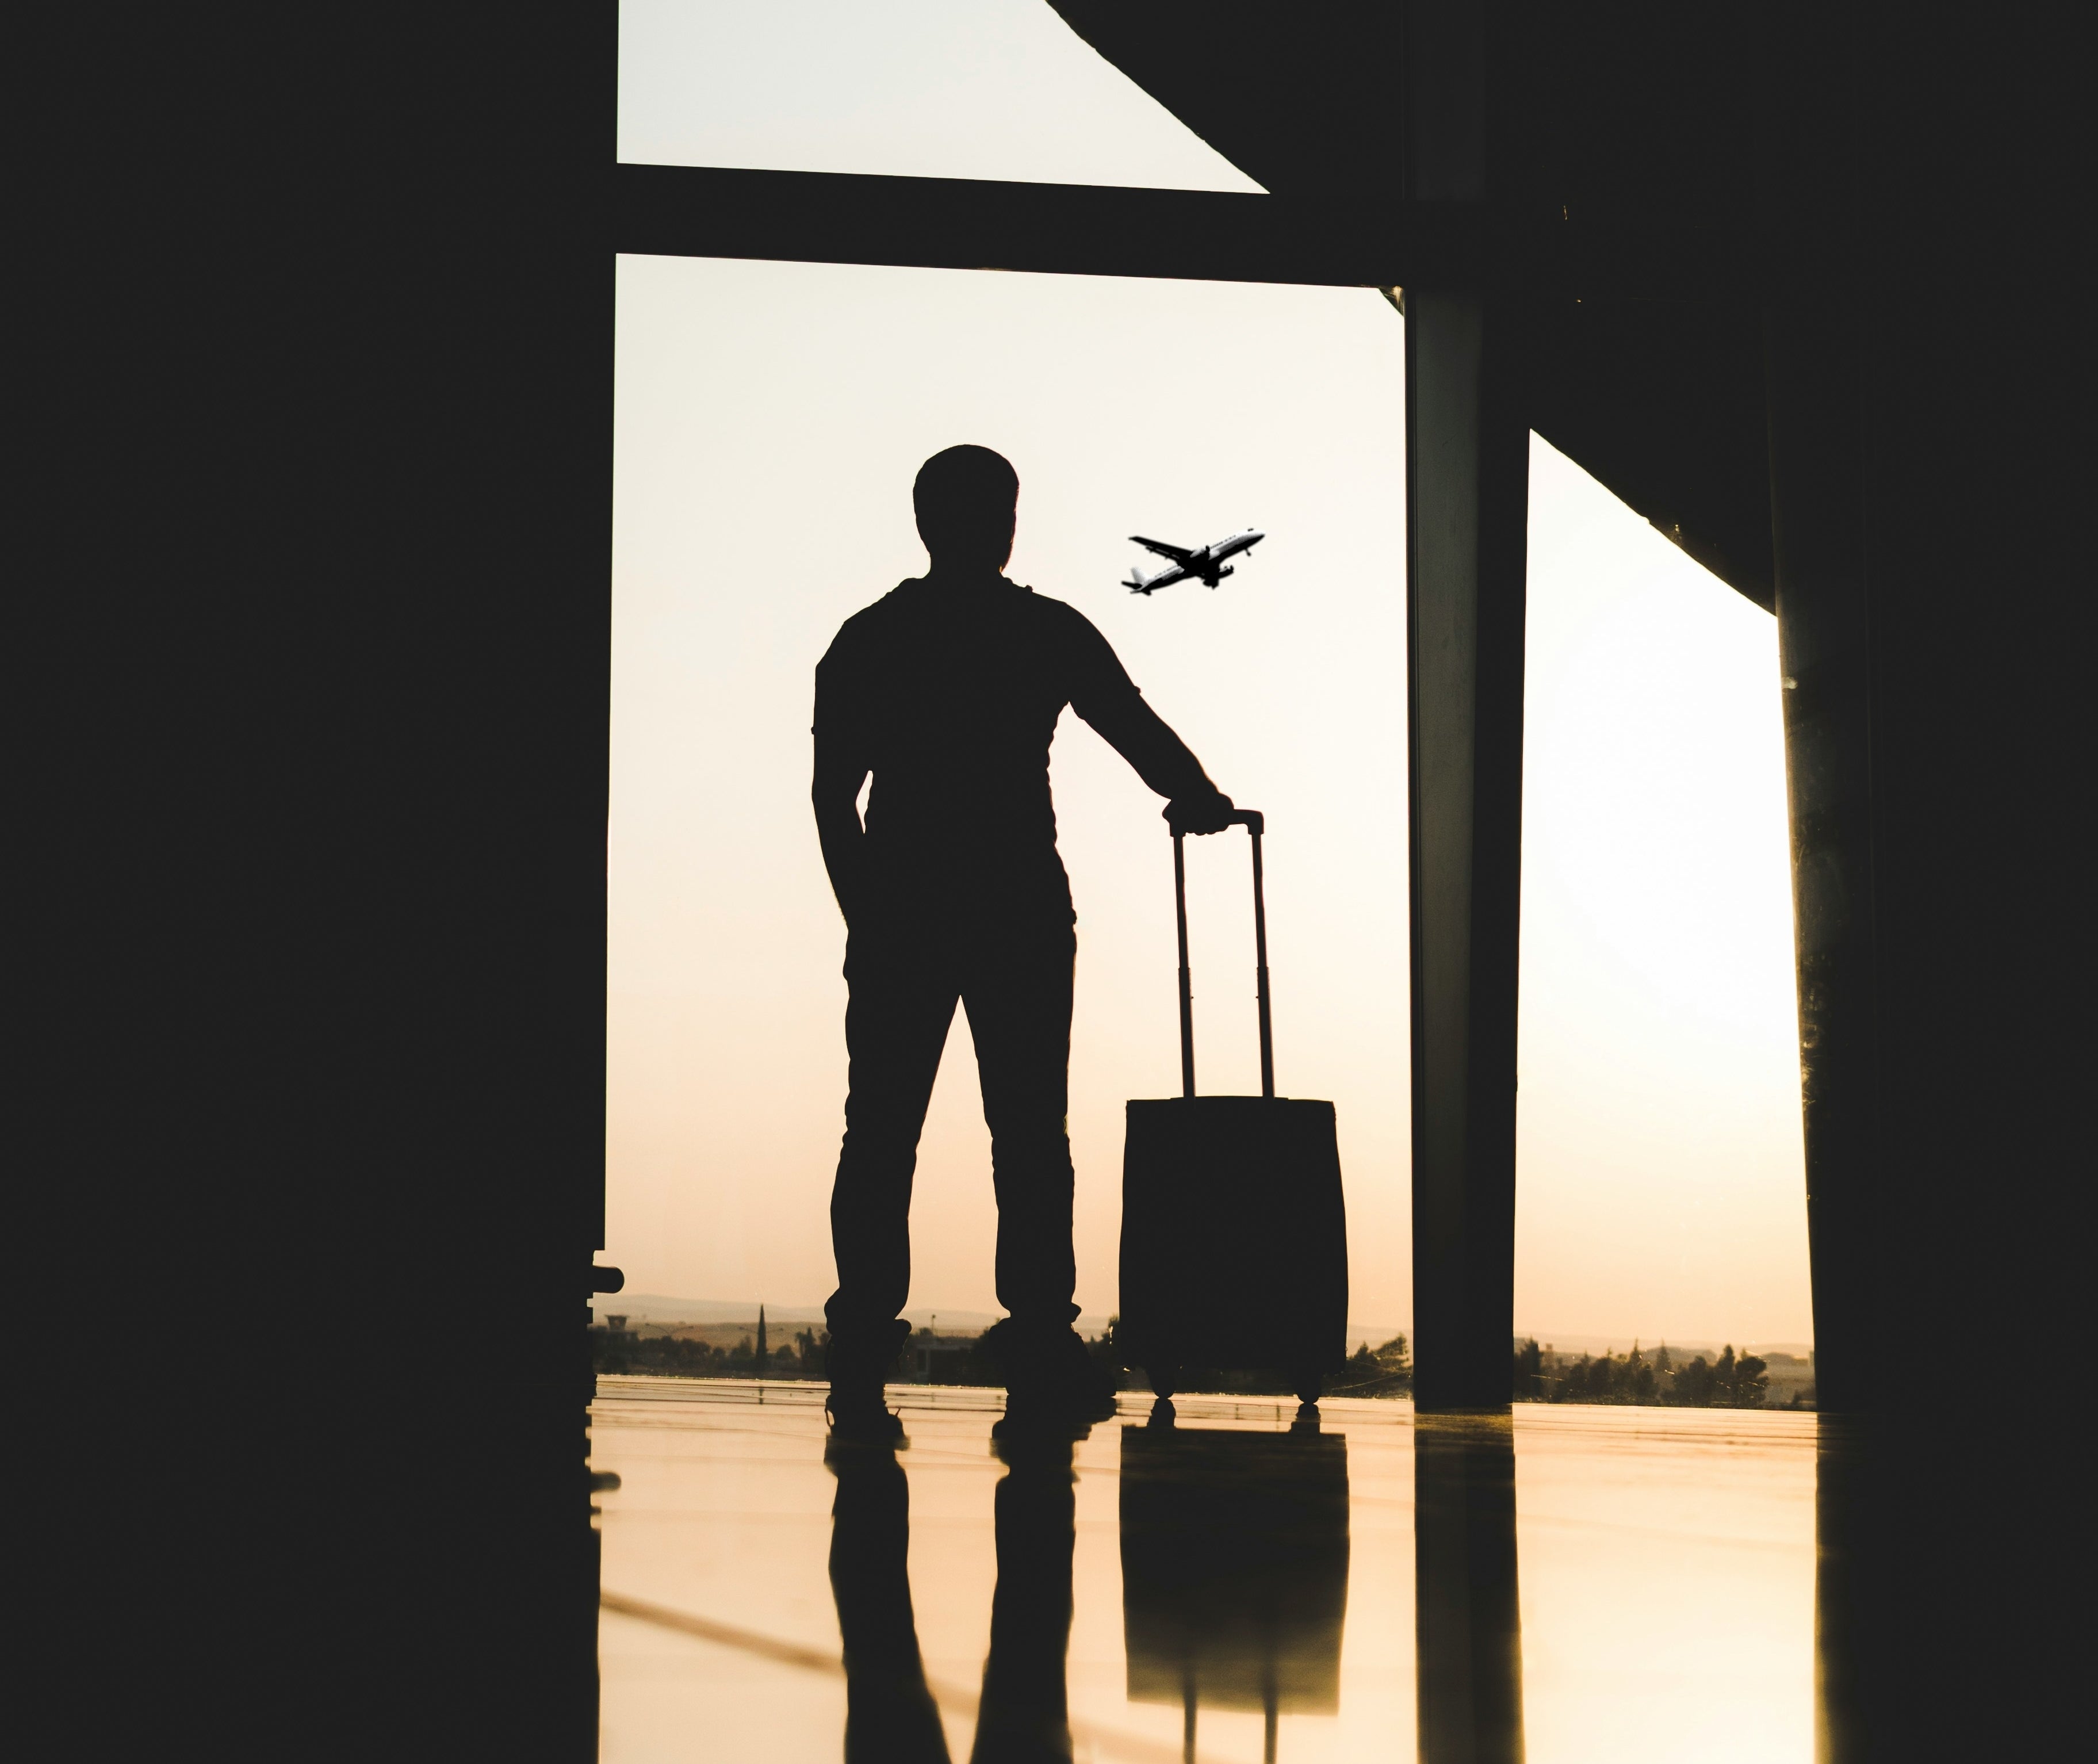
point(1233, 1236)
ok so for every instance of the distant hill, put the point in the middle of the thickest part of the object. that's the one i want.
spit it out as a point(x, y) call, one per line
point(654, 1307)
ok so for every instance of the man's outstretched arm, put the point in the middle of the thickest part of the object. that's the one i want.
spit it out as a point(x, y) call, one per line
point(835, 796)
point(1161, 758)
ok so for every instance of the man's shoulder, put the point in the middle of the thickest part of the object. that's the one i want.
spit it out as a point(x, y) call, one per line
point(1058, 617)
point(887, 610)
point(868, 627)
point(1089, 666)
point(909, 611)
point(1082, 644)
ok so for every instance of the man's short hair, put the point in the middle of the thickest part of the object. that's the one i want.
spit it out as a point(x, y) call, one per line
point(964, 497)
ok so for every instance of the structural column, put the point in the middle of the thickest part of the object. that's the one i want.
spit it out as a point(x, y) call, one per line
point(1818, 545)
point(1813, 397)
point(1813, 350)
point(1467, 468)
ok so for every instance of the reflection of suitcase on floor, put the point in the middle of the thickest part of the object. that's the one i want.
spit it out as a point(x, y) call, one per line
point(1234, 1239)
point(1234, 1568)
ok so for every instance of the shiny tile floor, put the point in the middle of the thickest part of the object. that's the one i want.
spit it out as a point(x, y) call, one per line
point(1567, 1584)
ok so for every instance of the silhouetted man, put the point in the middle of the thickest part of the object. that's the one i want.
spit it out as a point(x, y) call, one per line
point(948, 691)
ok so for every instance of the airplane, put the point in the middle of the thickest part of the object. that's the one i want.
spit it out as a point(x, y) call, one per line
point(1207, 565)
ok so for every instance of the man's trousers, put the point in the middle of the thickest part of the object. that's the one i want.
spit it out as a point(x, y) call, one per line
point(1014, 981)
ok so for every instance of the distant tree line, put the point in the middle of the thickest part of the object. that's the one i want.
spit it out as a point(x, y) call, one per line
point(1382, 1372)
point(1730, 1382)
point(620, 1349)
point(964, 1360)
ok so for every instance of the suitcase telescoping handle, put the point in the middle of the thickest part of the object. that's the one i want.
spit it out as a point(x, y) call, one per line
point(1251, 820)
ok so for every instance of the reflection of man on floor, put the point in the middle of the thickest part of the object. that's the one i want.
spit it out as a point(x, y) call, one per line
point(1023, 1716)
point(890, 1716)
point(948, 690)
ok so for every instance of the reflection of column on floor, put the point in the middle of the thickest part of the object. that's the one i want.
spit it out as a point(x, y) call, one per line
point(890, 1717)
point(1468, 1633)
point(1234, 1570)
point(1842, 1618)
point(1025, 1716)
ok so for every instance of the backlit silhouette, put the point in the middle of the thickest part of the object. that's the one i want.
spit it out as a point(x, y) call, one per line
point(948, 691)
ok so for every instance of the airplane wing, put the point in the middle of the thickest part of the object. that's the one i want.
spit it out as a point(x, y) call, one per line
point(1174, 551)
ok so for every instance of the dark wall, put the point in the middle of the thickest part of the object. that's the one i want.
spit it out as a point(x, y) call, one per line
point(1978, 472)
point(320, 495)
point(1978, 462)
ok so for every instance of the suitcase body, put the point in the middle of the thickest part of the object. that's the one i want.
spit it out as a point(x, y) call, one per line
point(1234, 1234)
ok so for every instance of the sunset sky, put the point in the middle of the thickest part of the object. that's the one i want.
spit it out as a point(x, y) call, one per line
point(771, 418)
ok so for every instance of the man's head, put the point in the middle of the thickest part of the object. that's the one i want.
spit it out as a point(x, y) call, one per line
point(966, 498)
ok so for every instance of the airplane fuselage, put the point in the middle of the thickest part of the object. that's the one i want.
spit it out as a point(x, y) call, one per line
point(1206, 565)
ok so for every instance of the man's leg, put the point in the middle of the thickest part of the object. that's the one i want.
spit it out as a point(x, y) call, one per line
point(1017, 991)
point(902, 1001)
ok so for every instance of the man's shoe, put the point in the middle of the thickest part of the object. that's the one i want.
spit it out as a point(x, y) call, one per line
point(859, 1359)
point(1052, 1381)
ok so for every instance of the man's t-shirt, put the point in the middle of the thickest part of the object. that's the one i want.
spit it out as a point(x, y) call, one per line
point(951, 695)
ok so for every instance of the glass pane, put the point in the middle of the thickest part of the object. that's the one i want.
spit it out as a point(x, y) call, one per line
point(990, 88)
point(771, 418)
